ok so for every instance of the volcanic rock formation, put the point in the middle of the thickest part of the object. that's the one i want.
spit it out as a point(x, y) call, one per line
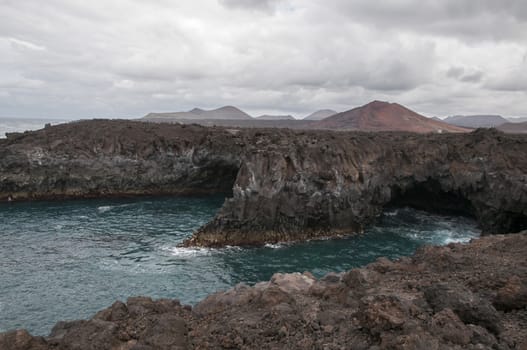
point(281, 185)
point(458, 296)
point(384, 116)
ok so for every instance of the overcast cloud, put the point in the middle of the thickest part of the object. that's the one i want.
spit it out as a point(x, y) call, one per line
point(117, 58)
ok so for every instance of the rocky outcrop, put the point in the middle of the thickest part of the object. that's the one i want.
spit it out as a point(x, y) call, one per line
point(311, 185)
point(281, 185)
point(115, 158)
point(452, 297)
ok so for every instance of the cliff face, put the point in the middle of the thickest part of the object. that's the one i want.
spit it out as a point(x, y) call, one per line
point(309, 185)
point(286, 185)
point(461, 296)
point(114, 158)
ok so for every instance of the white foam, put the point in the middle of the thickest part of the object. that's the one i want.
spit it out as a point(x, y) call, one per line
point(391, 213)
point(104, 208)
point(188, 253)
point(274, 246)
point(456, 240)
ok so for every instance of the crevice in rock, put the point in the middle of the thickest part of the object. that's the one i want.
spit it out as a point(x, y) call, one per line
point(516, 222)
point(430, 196)
point(218, 177)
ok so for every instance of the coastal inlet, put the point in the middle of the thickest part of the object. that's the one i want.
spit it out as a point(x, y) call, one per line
point(69, 259)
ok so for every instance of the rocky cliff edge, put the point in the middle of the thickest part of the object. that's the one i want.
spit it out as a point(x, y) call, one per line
point(280, 185)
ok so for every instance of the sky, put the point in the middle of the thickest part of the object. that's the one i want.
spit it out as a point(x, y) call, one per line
point(117, 58)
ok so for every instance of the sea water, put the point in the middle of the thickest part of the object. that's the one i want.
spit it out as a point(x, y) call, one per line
point(67, 260)
point(8, 125)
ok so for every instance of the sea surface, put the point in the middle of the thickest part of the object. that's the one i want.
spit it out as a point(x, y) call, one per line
point(25, 124)
point(67, 260)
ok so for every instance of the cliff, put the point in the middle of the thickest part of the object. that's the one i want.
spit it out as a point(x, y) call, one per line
point(281, 185)
point(459, 296)
point(309, 185)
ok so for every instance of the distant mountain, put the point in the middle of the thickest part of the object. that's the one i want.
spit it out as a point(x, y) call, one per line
point(275, 117)
point(517, 119)
point(514, 128)
point(320, 114)
point(227, 112)
point(476, 121)
point(384, 116)
point(197, 111)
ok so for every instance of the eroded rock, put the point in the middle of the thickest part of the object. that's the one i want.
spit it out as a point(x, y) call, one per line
point(282, 185)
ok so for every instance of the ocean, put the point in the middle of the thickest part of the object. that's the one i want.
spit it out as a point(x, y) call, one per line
point(25, 124)
point(66, 260)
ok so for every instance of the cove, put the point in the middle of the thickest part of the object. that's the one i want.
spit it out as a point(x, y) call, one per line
point(67, 260)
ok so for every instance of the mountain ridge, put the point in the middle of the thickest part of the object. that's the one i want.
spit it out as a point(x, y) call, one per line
point(222, 113)
point(275, 117)
point(320, 114)
point(476, 121)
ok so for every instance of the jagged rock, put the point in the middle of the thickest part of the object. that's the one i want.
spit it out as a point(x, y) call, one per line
point(21, 340)
point(469, 307)
point(382, 313)
point(282, 185)
point(447, 324)
point(512, 296)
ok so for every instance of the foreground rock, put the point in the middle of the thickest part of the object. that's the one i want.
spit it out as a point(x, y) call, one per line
point(454, 297)
point(281, 185)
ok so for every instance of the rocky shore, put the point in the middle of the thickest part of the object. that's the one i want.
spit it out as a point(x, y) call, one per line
point(280, 185)
point(471, 296)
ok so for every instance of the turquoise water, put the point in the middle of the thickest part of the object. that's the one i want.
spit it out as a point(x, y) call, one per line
point(67, 260)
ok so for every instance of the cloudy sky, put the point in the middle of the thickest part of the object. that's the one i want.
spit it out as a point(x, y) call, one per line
point(124, 58)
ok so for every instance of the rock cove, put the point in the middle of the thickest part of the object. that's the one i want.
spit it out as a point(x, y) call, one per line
point(281, 185)
point(459, 296)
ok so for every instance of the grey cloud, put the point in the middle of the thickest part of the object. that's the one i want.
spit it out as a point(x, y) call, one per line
point(464, 19)
point(511, 83)
point(465, 75)
point(107, 59)
point(455, 72)
point(474, 77)
point(261, 5)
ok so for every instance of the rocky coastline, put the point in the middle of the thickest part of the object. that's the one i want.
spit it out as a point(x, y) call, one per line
point(280, 184)
point(284, 185)
point(460, 296)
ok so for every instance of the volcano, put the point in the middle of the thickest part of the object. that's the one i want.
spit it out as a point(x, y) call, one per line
point(385, 116)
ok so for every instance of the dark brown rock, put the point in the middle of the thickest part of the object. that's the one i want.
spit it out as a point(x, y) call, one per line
point(282, 185)
point(513, 295)
point(447, 324)
point(21, 340)
point(469, 307)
